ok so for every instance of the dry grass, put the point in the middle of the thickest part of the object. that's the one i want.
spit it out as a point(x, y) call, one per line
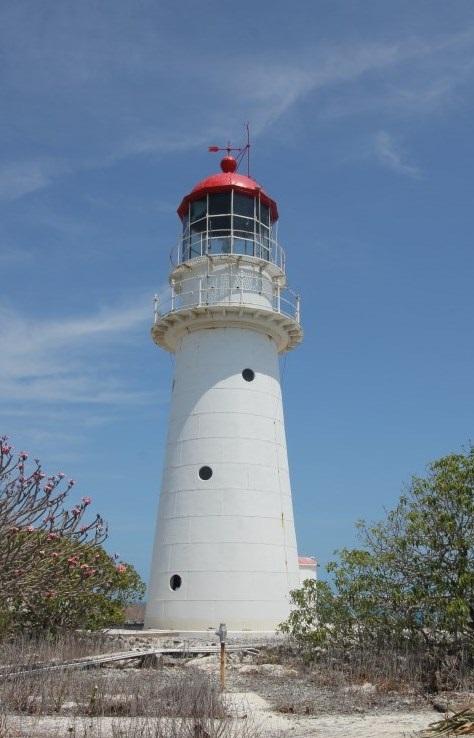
point(101, 692)
point(107, 703)
point(24, 650)
point(137, 728)
point(389, 668)
point(353, 682)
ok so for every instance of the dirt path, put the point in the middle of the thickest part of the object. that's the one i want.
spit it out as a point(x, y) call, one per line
point(276, 725)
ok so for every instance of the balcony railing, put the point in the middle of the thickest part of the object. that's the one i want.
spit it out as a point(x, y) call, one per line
point(225, 290)
point(228, 241)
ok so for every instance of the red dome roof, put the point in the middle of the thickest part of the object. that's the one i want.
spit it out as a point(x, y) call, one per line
point(224, 181)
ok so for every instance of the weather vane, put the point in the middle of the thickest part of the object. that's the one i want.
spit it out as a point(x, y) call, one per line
point(242, 150)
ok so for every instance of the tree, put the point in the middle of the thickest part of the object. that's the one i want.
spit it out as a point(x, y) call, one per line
point(90, 590)
point(53, 569)
point(411, 581)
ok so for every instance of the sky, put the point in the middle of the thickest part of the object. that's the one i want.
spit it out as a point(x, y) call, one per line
point(361, 119)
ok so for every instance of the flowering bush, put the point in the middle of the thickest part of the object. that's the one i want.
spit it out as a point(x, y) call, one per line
point(54, 571)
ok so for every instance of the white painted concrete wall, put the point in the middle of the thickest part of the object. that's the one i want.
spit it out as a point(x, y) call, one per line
point(231, 538)
point(307, 572)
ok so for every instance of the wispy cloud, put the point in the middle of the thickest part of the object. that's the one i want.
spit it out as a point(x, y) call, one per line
point(390, 154)
point(22, 177)
point(418, 74)
point(399, 77)
point(12, 255)
point(66, 360)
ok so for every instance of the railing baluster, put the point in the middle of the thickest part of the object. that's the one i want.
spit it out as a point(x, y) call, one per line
point(228, 287)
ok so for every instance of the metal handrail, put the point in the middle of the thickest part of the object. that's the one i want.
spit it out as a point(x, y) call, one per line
point(224, 291)
point(228, 241)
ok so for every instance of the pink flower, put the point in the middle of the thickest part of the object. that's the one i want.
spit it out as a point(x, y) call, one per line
point(86, 500)
point(61, 475)
point(23, 455)
point(53, 536)
point(30, 529)
point(54, 555)
point(121, 568)
point(72, 482)
point(6, 449)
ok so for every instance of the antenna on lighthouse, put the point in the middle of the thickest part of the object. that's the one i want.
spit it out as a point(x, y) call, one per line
point(243, 150)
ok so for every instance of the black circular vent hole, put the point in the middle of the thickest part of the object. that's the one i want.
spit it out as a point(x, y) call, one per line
point(205, 472)
point(175, 582)
point(248, 375)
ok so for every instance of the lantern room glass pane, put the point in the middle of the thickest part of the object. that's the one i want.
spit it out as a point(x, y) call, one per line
point(243, 205)
point(264, 213)
point(186, 224)
point(198, 209)
point(219, 223)
point(243, 225)
point(219, 203)
point(199, 226)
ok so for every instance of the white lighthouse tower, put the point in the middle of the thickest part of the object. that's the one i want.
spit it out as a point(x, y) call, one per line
point(225, 546)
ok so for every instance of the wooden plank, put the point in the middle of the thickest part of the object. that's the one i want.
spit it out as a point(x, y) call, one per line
point(91, 661)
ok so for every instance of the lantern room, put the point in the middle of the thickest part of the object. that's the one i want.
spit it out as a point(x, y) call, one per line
point(228, 213)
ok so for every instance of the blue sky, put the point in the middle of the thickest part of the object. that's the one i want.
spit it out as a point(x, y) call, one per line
point(361, 114)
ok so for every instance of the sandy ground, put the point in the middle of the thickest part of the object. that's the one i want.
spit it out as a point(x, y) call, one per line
point(257, 713)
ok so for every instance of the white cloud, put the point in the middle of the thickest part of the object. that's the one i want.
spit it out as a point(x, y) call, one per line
point(417, 75)
point(66, 360)
point(22, 177)
point(410, 76)
point(389, 154)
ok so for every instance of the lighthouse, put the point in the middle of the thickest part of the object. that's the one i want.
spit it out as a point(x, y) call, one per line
point(225, 546)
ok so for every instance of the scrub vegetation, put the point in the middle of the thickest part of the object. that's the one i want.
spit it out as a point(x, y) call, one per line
point(407, 593)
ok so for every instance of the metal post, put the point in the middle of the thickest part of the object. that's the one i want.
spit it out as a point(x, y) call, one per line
point(297, 316)
point(222, 633)
point(200, 291)
point(278, 298)
point(156, 310)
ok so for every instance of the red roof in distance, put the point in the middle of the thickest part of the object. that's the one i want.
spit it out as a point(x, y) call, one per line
point(228, 179)
point(307, 561)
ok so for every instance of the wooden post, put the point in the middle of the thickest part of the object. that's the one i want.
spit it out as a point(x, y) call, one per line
point(222, 633)
point(222, 666)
